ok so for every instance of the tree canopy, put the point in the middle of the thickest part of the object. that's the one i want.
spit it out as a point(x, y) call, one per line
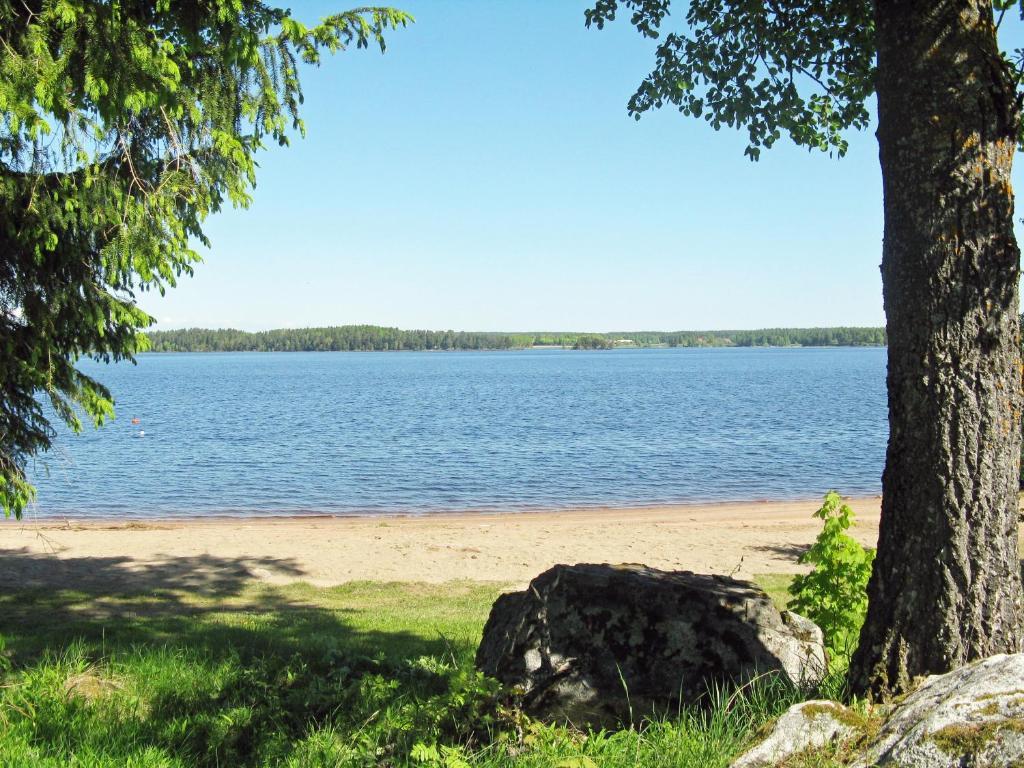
point(800, 68)
point(125, 125)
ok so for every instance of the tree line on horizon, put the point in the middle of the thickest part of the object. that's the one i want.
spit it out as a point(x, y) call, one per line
point(351, 338)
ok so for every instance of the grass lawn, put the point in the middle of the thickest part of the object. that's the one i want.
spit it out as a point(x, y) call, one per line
point(228, 672)
point(777, 587)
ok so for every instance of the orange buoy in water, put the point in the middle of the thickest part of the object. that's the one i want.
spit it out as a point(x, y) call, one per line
point(135, 420)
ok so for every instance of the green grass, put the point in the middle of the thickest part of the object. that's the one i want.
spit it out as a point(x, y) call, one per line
point(217, 670)
point(777, 587)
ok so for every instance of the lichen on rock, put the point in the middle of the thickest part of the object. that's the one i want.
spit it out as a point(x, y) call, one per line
point(972, 716)
point(803, 728)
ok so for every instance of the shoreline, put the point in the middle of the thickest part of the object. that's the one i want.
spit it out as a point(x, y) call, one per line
point(106, 520)
point(539, 348)
point(738, 538)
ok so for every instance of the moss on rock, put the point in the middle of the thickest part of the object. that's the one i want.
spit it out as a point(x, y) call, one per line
point(971, 738)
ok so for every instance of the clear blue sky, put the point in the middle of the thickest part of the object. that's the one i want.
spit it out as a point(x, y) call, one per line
point(483, 175)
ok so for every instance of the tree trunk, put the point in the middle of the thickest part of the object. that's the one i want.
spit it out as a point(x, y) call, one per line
point(946, 585)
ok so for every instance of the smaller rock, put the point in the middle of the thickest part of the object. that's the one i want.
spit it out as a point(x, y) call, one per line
point(808, 725)
point(972, 716)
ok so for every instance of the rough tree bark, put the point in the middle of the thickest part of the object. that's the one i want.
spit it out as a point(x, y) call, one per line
point(946, 586)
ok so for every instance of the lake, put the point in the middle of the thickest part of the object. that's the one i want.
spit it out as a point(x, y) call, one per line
point(411, 432)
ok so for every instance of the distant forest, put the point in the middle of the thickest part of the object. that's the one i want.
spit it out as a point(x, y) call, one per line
point(372, 337)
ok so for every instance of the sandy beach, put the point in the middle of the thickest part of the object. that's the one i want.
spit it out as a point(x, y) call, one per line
point(733, 538)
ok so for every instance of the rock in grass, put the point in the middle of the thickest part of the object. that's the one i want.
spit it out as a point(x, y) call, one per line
point(606, 644)
point(805, 726)
point(972, 716)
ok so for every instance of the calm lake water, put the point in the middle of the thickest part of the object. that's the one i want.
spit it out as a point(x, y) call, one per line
point(378, 433)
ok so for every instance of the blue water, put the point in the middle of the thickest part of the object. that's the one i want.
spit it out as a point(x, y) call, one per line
point(351, 432)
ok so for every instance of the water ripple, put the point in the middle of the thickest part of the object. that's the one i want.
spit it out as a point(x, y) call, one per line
point(344, 433)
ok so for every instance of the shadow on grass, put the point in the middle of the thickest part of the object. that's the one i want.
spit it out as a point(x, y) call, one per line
point(201, 660)
point(221, 605)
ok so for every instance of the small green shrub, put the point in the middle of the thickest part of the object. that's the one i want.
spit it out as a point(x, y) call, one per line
point(834, 594)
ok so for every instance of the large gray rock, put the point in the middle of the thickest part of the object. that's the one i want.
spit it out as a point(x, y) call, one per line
point(599, 644)
point(972, 716)
point(807, 725)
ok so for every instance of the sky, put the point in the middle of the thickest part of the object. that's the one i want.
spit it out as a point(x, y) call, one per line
point(483, 174)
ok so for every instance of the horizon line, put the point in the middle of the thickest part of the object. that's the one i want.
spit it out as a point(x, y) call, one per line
point(521, 332)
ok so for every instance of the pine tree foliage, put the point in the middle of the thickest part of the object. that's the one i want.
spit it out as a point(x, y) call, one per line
point(124, 126)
